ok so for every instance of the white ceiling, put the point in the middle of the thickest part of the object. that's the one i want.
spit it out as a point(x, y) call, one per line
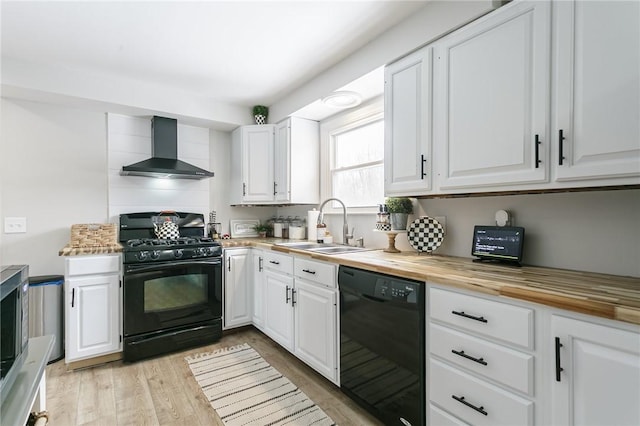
point(236, 52)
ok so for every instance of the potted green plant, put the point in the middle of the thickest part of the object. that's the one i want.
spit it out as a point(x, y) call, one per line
point(260, 114)
point(399, 209)
point(262, 229)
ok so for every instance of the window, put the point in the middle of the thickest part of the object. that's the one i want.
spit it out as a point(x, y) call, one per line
point(353, 167)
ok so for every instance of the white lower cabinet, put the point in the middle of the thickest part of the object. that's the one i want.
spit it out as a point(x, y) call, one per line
point(316, 316)
point(238, 299)
point(481, 361)
point(300, 310)
point(278, 289)
point(92, 306)
point(257, 265)
point(597, 373)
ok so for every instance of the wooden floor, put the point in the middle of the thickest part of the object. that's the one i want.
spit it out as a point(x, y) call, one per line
point(162, 391)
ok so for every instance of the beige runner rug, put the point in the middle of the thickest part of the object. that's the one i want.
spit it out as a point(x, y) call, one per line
point(245, 390)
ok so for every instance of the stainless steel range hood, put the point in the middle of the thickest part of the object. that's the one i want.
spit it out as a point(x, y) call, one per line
point(164, 162)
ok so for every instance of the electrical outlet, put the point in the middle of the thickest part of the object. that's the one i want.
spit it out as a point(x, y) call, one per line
point(443, 221)
point(15, 225)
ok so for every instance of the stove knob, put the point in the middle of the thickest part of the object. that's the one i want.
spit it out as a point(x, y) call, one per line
point(200, 251)
point(142, 255)
point(155, 254)
point(178, 253)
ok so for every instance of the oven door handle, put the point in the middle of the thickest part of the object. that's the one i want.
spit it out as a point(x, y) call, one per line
point(145, 268)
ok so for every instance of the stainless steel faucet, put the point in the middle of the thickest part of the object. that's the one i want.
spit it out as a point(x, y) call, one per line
point(345, 226)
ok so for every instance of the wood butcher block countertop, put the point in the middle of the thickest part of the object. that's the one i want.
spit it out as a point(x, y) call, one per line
point(608, 296)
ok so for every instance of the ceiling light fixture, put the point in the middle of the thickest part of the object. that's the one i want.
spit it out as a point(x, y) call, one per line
point(342, 99)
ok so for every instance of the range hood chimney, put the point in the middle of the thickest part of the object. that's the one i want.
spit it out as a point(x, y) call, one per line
point(164, 161)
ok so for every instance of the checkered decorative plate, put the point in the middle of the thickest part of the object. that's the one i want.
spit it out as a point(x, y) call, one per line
point(425, 234)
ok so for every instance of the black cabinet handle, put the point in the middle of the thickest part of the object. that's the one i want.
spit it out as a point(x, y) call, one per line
point(260, 264)
point(422, 163)
point(462, 354)
point(274, 262)
point(244, 189)
point(228, 264)
point(561, 139)
point(309, 272)
point(274, 188)
point(537, 142)
point(73, 296)
point(293, 297)
point(287, 298)
point(461, 399)
point(559, 369)
point(462, 314)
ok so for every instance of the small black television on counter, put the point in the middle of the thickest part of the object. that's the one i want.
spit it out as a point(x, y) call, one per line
point(498, 244)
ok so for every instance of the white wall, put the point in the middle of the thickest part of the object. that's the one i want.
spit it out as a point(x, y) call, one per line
point(54, 173)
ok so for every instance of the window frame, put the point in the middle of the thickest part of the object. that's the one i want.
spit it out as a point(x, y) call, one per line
point(368, 112)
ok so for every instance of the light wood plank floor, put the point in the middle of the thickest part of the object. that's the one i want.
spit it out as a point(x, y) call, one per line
point(162, 390)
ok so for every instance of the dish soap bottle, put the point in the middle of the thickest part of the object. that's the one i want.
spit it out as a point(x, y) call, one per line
point(321, 230)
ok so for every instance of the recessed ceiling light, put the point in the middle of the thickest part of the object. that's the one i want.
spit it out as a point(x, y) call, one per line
point(342, 99)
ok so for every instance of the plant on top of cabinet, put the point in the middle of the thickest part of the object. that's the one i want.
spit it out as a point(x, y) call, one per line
point(260, 114)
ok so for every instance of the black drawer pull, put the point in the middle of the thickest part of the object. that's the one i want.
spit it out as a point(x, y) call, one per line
point(274, 262)
point(537, 142)
point(287, 298)
point(73, 297)
point(309, 272)
point(461, 399)
point(462, 314)
point(422, 163)
point(462, 354)
point(558, 367)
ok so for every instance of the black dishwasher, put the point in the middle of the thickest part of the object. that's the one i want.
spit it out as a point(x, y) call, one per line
point(382, 345)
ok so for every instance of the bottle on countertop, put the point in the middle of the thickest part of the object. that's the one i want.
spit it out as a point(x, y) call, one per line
point(321, 229)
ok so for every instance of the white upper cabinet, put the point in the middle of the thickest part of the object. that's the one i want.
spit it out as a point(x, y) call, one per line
point(408, 161)
point(252, 150)
point(276, 164)
point(597, 91)
point(297, 161)
point(492, 89)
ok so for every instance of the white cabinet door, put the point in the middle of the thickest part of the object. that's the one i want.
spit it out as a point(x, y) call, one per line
point(297, 161)
point(238, 300)
point(316, 327)
point(408, 161)
point(93, 316)
point(493, 103)
point(251, 176)
point(278, 310)
point(597, 374)
point(597, 89)
point(258, 288)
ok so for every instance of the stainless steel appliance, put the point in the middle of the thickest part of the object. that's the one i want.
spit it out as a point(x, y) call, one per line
point(382, 345)
point(14, 323)
point(172, 288)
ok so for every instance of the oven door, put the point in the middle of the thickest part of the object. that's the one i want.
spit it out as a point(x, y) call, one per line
point(171, 294)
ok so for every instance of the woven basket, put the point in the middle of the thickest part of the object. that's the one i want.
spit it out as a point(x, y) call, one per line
point(93, 235)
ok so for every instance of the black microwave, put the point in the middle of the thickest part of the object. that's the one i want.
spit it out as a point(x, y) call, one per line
point(14, 322)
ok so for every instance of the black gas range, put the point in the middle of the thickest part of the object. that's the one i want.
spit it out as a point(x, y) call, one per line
point(172, 287)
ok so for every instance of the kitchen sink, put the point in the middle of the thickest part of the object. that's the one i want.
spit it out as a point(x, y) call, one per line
point(322, 248)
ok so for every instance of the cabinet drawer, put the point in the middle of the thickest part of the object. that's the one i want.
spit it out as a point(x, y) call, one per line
point(499, 320)
point(83, 265)
point(475, 401)
point(499, 363)
point(438, 417)
point(278, 262)
point(317, 272)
